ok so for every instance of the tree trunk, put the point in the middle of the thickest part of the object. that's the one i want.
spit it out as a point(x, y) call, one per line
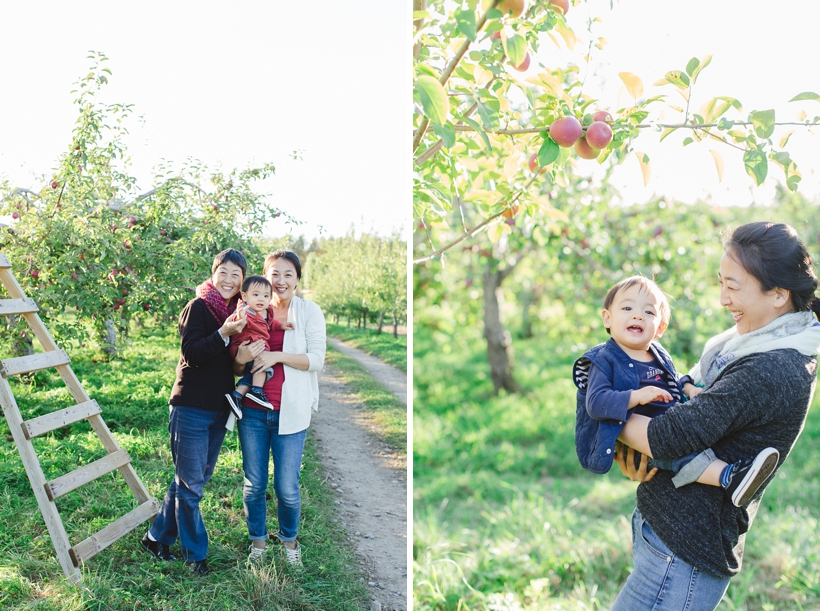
point(395, 325)
point(381, 322)
point(530, 300)
point(110, 346)
point(499, 344)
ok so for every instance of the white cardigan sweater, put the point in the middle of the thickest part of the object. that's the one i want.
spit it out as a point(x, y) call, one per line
point(300, 392)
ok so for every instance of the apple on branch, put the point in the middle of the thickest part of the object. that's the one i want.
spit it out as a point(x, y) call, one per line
point(513, 8)
point(566, 131)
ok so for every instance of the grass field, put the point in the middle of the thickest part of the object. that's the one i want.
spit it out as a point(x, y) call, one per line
point(506, 519)
point(384, 346)
point(133, 393)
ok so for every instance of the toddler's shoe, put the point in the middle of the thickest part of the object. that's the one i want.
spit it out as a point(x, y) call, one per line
point(745, 477)
point(235, 402)
point(257, 395)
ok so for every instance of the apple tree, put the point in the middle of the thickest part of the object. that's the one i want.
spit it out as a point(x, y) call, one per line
point(499, 139)
point(95, 252)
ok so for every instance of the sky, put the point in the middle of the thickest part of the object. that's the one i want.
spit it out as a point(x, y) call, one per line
point(763, 54)
point(233, 84)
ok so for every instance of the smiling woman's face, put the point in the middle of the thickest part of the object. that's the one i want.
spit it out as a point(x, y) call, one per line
point(227, 280)
point(740, 293)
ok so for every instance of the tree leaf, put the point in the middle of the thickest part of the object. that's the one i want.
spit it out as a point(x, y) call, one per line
point(479, 130)
point(433, 98)
point(757, 166)
point(718, 164)
point(806, 95)
point(466, 23)
point(488, 117)
point(706, 61)
point(633, 84)
point(646, 169)
point(678, 79)
point(548, 152)
point(692, 66)
point(446, 133)
point(515, 47)
point(763, 122)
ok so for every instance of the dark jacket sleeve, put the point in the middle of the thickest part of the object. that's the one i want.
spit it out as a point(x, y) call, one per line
point(199, 343)
point(738, 403)
point(603, 401)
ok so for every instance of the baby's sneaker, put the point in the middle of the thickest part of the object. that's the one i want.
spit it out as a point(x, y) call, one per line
point(257, 395)
point(745, 477)
point(235, 403)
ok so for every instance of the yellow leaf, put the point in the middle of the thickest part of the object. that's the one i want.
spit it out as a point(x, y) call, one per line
point(497, 230)
point(469, 163)
point(646, 170)
point(718, 164)
point(802, 115)
point(511, 167)
point(785, 139)
point(482, 76)
point(548, 82)
point(567, 34)
point(634, 85)
point(554, 38)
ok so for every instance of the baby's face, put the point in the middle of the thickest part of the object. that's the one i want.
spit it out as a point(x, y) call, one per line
point(257, 297)
point(634, 318)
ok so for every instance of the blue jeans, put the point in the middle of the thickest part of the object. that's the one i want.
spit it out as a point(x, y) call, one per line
point(247, 378)
point(663, 582)
point(259, 437)
point(196, 439)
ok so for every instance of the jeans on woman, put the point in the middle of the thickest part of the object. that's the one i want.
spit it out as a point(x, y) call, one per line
point(259, 437)
point(196, 439)
point(661, 581)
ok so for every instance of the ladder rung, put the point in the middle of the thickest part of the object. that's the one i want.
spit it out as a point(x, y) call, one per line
point(4, 262)
point(113, 532)
point(59, 419)
point(26, 305)
point(33, 362)
point(79, 477)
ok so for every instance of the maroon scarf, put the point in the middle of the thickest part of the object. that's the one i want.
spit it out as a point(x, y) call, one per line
point(214, 301)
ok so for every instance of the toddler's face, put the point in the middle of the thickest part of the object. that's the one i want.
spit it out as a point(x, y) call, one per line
point(634, 319)
point(257, 297)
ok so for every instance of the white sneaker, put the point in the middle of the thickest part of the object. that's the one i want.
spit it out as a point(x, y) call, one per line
point(256, 553)
point(293, 556)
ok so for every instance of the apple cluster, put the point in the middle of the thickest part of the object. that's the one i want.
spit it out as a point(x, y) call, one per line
point(588, 141)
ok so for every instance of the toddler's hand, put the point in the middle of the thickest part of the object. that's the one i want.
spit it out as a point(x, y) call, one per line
point(648, 394)
point(691, 390)
point(288, 326)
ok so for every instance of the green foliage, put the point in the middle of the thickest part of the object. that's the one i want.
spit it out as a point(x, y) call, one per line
point(88, 243)
point(360, 278)
point(133, 393)
point(389, 349)
point(478, 121)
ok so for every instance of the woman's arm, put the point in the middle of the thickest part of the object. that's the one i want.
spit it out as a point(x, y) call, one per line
point(634, 434)
point(316, 340)
point(198, 341)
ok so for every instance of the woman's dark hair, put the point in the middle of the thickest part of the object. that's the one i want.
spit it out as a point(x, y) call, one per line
point(254, 280)
point(230, 255)
point(283, 254)
point(774, 254)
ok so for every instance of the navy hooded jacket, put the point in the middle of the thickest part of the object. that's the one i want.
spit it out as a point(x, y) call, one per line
point(598, 425)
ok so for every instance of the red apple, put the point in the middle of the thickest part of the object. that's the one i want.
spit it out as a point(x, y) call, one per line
point(146, 306)
point(584, 150)
point(496, 35)
point(35, 273)
point(534, 165)
point(599, 135)
point(561, 6)
point(124, 292)
point(74, 276)
point(566, 131)
point(15, 215)
point(514, 8)
point(117, 307)
point(602, 115)
point(54, 184)
point(522, 67)
point(510, 212)
point(127, 245)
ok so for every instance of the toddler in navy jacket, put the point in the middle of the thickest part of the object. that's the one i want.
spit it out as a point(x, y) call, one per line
point(632, 372)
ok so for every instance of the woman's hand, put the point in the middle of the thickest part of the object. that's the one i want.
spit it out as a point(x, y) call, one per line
point(265, 360)
point(234, 324)
point(627, 465)
point(248, 351)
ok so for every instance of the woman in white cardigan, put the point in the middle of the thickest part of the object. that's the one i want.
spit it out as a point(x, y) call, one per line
point(296, 356)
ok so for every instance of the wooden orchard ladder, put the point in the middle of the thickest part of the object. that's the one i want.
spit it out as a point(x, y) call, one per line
point(86, 409)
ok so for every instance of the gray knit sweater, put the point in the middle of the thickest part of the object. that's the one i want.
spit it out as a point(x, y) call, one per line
point(757, 401)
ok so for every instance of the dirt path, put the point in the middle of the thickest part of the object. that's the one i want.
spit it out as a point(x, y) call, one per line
point(391, 378)
point(371, 483)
